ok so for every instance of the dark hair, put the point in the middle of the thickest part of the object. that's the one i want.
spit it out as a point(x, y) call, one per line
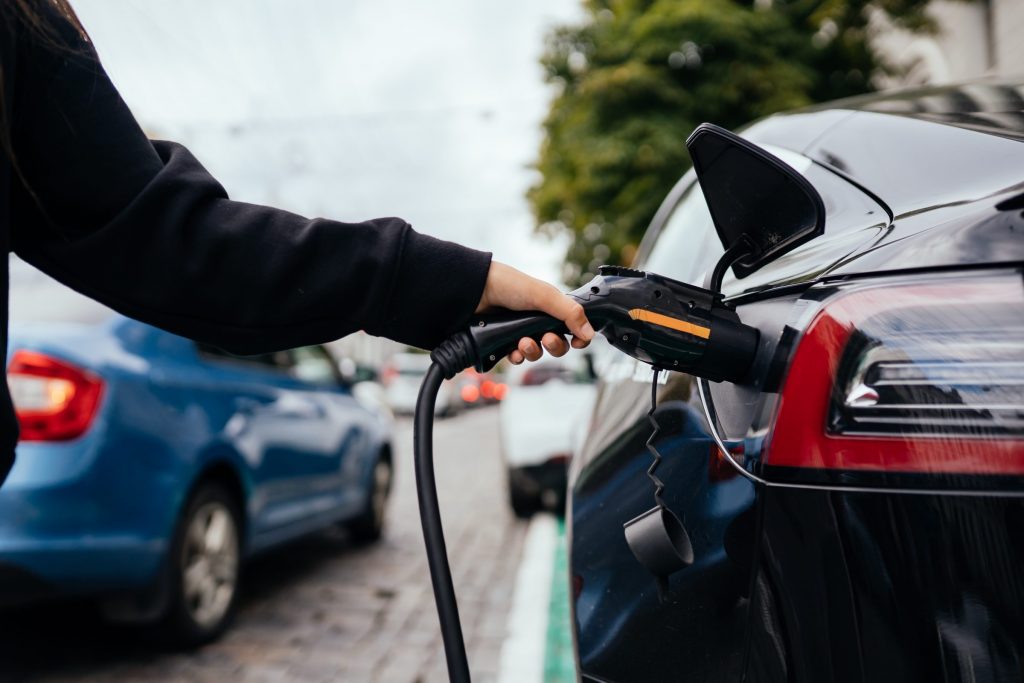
point(36, 18)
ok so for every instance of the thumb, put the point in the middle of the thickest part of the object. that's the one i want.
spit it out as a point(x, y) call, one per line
point(566, 309)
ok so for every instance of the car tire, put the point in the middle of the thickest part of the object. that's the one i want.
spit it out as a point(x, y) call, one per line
point(203, 568)
point(369, 525)
point(524, 503)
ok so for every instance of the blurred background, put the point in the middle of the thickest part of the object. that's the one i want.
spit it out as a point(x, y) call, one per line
point(545, 131)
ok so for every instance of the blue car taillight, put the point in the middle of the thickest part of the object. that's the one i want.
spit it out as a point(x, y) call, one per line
point(916, 377)
point(54, 400)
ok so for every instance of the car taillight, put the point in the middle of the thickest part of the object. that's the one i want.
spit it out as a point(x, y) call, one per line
point(720, 469)
point(470, 393)
point(487, 389)
point(925, 377)
point(559, 459)
point(54, 400)
point(388, 375)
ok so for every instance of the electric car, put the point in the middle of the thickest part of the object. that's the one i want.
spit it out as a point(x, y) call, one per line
point(867, 522)
point(150, 467)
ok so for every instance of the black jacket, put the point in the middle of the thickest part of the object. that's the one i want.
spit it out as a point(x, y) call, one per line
point(142, 227)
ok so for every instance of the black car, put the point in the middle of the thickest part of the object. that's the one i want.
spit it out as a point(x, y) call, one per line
point(874, 527)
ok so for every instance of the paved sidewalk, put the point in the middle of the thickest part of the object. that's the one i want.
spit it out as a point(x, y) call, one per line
point(323, 610)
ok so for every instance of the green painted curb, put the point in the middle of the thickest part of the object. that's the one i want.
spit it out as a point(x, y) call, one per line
point(559, 661)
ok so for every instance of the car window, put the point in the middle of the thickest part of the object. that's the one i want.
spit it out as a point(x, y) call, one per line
point(36, 297)
point(688, 244)
point(313, 364)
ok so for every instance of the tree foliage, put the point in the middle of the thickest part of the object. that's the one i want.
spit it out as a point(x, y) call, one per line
point(638, 75)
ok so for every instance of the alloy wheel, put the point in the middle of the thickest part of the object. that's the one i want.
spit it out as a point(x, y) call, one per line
point(381, 486)
point(210, 558)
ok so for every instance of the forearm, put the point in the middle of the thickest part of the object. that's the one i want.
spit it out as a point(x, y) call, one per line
point(184, 257)
point(142, 227)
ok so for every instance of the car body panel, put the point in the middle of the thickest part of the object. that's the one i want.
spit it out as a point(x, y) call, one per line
point(891, 588)
point(618, 608)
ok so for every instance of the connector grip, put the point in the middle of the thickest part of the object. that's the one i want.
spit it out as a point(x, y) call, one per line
point(495, 335)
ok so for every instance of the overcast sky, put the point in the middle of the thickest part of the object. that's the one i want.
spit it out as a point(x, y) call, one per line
point(350, 109)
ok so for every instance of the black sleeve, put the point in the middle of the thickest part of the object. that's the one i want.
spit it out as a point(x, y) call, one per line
point(142, 227)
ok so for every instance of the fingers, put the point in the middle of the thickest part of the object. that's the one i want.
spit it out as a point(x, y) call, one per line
point(530, 349)
point(554, 344)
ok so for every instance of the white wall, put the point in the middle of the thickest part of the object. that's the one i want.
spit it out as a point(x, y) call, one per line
point(1008, 27)
point(976, 39)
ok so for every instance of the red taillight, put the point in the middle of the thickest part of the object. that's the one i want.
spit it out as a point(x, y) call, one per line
point(559, 459)
point(577, 586)
point(719, 469)
point(470, 393)
point(487, 389)
point(388, 375)
point(500, 389)
point(54, 400)
point(909, 378)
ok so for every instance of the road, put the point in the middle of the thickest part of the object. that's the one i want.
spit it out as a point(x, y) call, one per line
point(323, 609)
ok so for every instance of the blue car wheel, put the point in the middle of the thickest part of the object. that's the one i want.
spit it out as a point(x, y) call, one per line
point(369, 525)
point(204, 563)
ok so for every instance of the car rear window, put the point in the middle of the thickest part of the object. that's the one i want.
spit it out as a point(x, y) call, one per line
point(36, 297)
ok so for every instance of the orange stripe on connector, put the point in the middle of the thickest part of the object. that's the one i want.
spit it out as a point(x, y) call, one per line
point(670, 322)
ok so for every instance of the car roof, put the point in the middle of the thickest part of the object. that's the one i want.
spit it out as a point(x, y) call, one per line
point(913, 149)
point(994, 106)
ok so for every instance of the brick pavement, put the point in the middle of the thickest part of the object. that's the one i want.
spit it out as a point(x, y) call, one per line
point(323, 610)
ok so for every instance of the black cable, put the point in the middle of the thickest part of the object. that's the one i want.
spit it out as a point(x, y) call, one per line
point(433, 532)
point(659, 485)
point(731, 256)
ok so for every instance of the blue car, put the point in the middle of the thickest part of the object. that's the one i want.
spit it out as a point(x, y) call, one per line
point(150, 467)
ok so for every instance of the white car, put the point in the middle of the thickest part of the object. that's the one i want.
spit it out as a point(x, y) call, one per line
point(402, 376)
point(540, 417)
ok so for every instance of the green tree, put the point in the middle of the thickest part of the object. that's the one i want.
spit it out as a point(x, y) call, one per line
point(638, 75)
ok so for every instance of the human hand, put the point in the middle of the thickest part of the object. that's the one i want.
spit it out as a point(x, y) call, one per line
point(509, 288)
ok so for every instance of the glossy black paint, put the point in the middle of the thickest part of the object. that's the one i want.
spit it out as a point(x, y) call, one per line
point(815, 585)
point(888, 587)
